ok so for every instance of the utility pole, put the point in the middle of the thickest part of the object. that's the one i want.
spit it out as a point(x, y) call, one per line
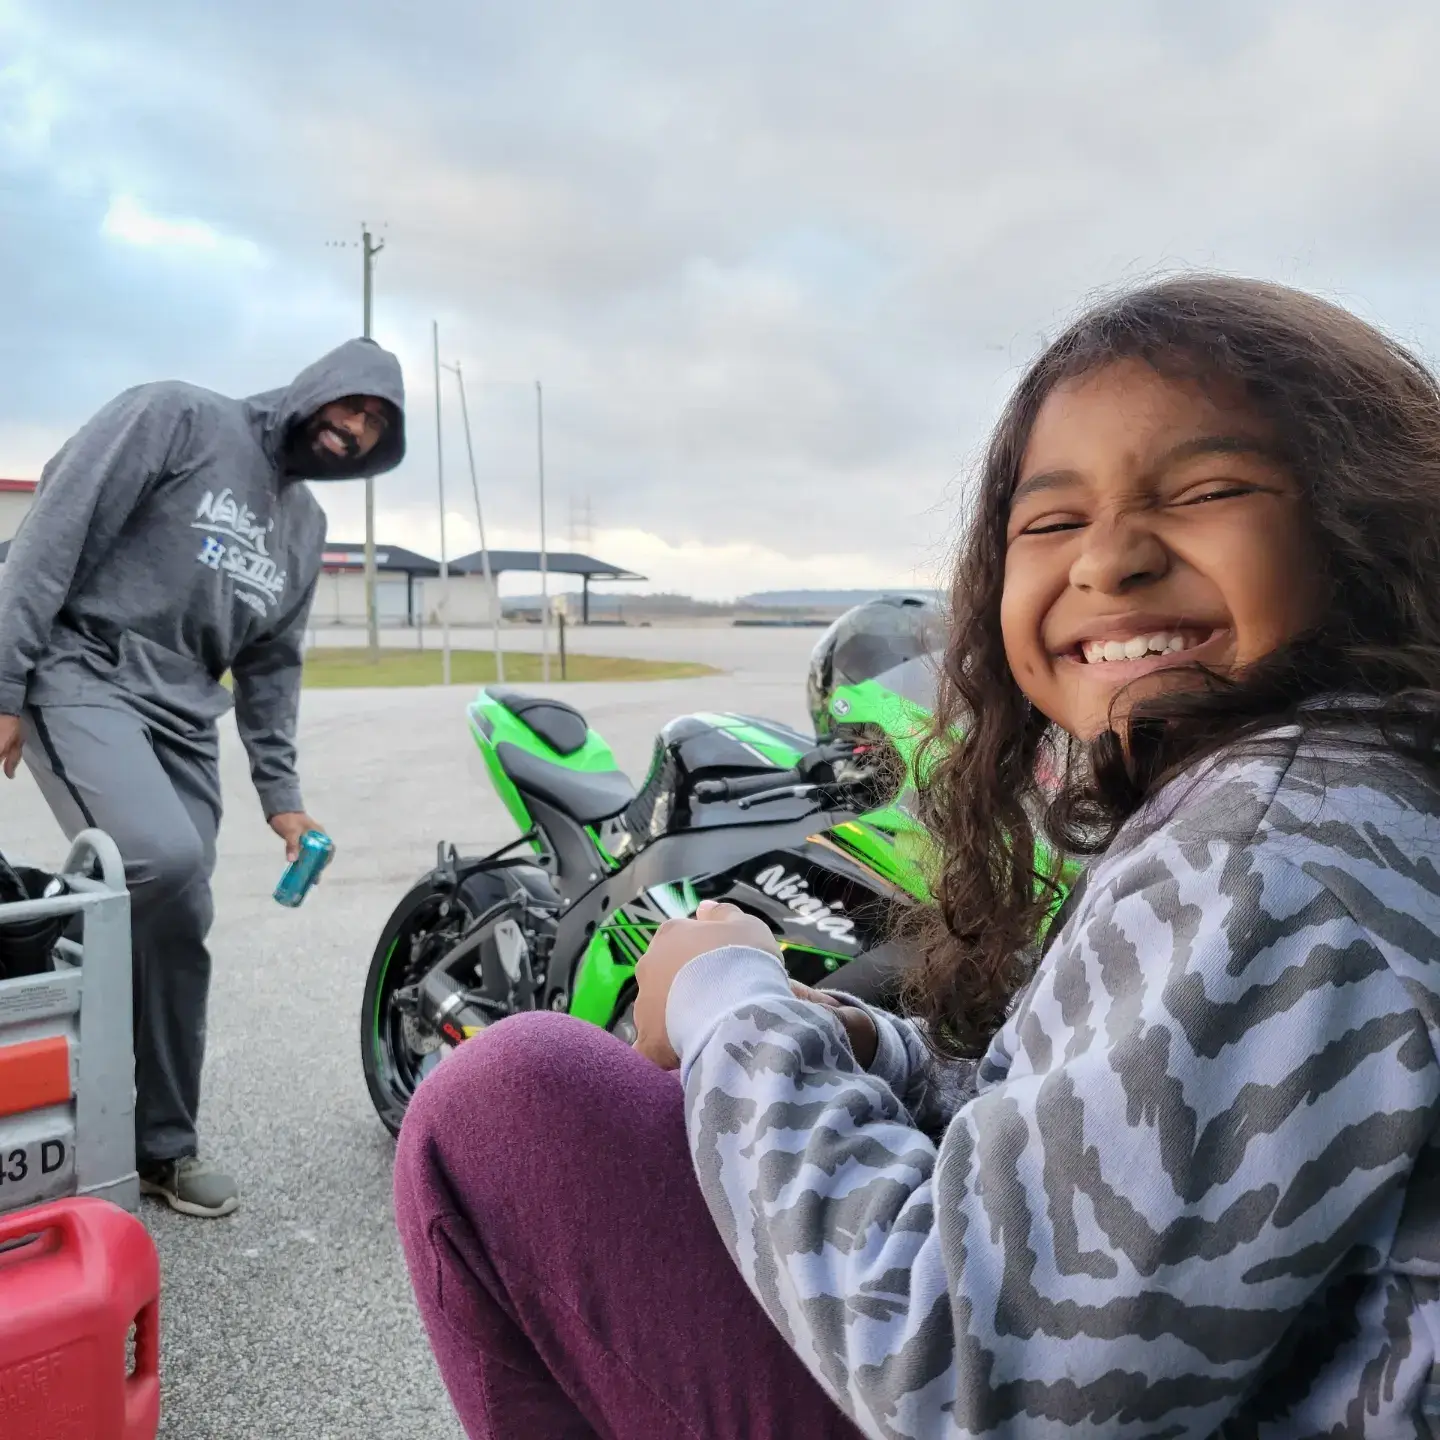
point(370, 249)
point(494, 594)
point(444, 555)
point(544, 559)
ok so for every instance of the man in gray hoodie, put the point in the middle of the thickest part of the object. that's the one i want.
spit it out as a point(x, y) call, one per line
point(172, 540)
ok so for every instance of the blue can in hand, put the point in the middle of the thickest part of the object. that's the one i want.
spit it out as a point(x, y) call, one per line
point(302, 872)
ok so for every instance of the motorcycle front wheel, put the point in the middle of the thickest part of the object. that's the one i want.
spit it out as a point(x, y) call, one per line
point(398, 1049)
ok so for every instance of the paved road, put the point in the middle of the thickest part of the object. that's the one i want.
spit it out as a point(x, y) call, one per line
point(292, 1320)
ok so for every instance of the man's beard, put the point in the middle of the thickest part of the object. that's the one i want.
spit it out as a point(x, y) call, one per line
point(307, 456)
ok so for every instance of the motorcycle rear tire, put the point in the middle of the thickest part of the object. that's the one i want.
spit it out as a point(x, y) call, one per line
point(393, 1071)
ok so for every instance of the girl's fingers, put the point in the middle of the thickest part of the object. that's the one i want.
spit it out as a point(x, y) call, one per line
point(717, 910)
point(816, 997)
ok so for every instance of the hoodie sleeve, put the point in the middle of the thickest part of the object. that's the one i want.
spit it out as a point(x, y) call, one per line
point(1223, 1104)
point(267, 674)
point(930, 1089)
point(86, 495)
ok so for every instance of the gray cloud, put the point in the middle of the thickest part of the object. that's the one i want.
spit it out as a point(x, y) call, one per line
point(777, 265)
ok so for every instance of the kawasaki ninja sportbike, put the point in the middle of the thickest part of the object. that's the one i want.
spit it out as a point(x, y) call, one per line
point(735, 809)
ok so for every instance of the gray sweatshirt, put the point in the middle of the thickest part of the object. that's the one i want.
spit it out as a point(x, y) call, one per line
point(168, 543)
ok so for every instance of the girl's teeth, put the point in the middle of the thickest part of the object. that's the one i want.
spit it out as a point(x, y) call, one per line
point(1097, 651)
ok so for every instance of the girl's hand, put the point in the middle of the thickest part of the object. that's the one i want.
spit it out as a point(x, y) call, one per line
point(676, 943)
point(859, 1027)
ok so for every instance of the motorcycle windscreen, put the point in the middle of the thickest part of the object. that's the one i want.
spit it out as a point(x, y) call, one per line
point(915, 679)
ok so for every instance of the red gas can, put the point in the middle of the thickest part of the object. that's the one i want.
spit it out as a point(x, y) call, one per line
point(74, 1277)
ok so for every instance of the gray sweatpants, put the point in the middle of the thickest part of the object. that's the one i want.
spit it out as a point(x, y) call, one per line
point(157, 794)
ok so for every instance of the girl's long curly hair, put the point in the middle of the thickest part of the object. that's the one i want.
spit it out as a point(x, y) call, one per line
point(1358, 421)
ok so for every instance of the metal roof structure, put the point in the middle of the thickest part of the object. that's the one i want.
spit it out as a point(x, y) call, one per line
point(340, 556)
point(561, 562)
point(556, 563)
point(397, 560)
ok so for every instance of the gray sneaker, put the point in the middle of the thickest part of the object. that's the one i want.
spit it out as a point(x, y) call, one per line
point(190, 1186)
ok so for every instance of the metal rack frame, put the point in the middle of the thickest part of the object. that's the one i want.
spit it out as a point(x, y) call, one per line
point(54, 1144)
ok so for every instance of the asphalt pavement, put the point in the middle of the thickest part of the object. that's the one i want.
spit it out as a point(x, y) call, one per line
point(293, 1319)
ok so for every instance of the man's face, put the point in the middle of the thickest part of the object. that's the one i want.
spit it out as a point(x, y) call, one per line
point(347, 430)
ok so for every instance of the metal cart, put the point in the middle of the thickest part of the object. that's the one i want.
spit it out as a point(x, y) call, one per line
point(67, 1060)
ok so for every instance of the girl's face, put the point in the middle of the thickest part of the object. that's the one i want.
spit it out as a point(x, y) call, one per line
point(1152, 527)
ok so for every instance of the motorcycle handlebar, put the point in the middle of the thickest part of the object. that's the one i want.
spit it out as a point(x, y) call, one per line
point(816, 767)
point(744, 785)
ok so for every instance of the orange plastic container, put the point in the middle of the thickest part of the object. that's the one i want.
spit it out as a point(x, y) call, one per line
point(75, 1275)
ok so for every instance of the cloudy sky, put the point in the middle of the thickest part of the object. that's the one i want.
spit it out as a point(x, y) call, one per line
point(775, 264)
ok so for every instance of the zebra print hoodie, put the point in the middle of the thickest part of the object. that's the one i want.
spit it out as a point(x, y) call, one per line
point(1195, 1188)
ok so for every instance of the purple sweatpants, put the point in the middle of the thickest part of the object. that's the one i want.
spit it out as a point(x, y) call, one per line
point(569, 1275)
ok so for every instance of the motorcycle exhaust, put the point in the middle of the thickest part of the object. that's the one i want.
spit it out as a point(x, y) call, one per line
point(444, 1007)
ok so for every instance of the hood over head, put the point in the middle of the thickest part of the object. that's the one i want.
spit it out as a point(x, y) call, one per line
point(358, 367)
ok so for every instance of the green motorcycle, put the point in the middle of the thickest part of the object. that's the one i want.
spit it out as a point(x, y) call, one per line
point(805, 834)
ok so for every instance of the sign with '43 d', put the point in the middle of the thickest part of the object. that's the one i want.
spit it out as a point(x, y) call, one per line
point(35, 1164)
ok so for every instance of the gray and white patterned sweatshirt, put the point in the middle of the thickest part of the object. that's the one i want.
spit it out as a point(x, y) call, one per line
point(1196, 1189)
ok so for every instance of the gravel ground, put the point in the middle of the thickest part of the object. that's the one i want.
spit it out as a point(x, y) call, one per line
point(292, 1319)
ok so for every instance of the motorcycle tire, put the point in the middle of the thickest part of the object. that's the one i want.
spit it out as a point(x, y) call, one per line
point(396, 1050)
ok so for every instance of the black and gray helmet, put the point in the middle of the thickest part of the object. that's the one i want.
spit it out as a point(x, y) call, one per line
point(889, 640)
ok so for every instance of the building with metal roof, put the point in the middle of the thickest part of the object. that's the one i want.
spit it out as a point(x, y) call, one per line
point(561, 562)
point(15, 498)
point(408, 591)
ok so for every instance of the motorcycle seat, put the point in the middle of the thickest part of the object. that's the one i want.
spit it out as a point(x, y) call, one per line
point(562, 727)
point(588, 796)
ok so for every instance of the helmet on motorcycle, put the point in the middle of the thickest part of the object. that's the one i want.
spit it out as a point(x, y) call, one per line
point(888, 640)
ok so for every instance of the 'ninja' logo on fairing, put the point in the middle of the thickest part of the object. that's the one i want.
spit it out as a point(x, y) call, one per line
point(794, 890)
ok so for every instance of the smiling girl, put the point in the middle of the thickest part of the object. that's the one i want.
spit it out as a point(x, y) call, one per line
point(1193, 1188)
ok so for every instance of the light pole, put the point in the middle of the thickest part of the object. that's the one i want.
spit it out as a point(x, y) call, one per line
point(444, 554)
point(493, 595)
point(370, 249)
point(544, 561)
